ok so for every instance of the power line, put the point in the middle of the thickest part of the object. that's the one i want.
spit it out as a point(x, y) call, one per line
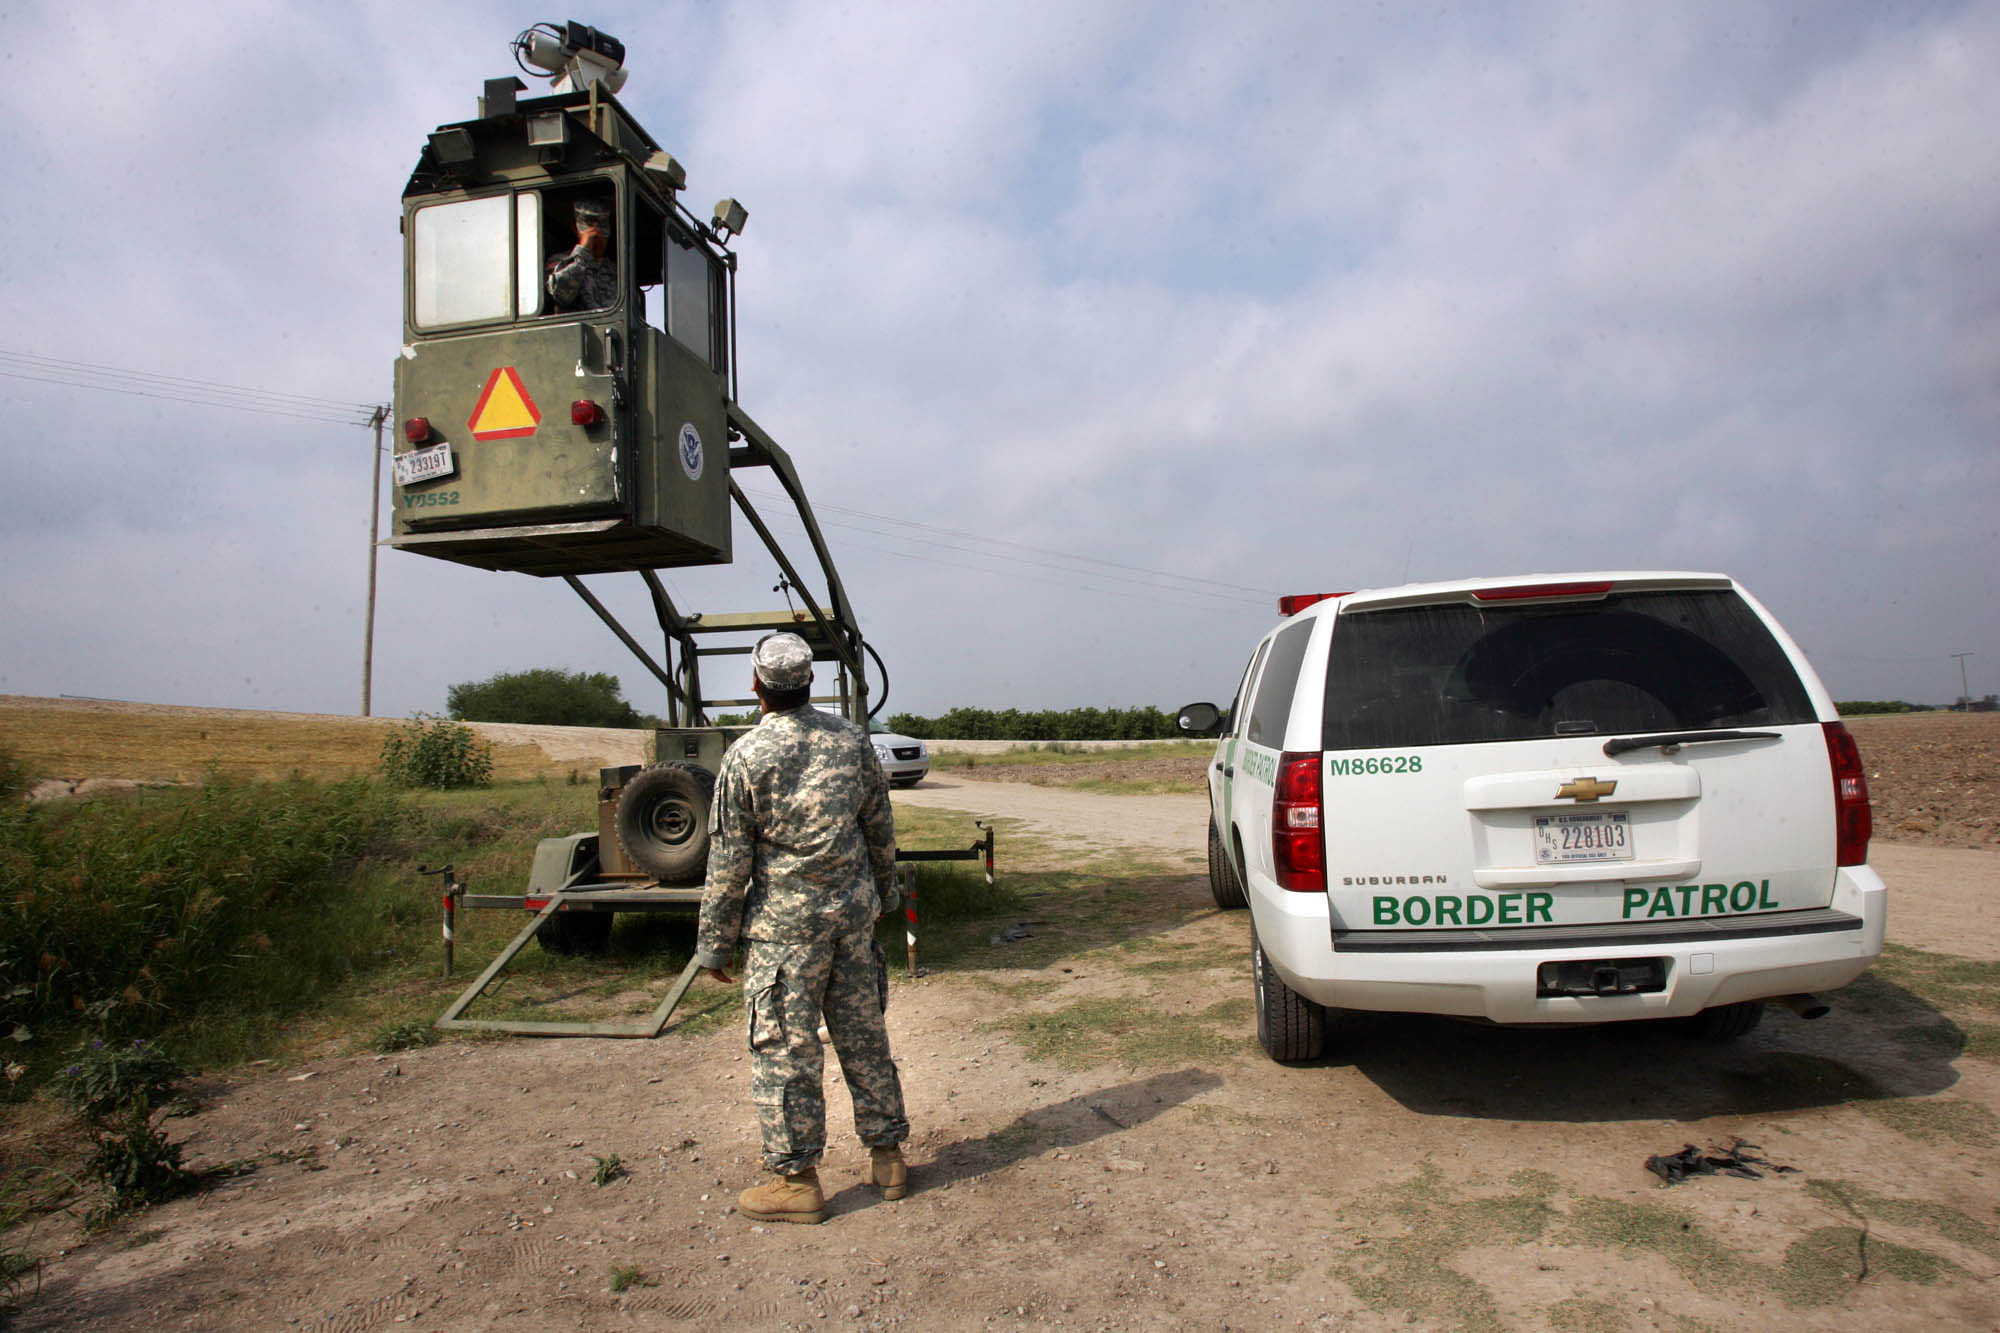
point(181, 389)
point(1074, 580)
point(1093, 567)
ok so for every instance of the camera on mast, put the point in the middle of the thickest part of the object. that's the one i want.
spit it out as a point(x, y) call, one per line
point(574, 55)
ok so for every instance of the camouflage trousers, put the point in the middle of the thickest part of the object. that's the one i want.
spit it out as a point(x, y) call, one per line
point(790, 989)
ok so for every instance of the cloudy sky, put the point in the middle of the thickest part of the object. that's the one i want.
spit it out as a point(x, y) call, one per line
point(1092, 327)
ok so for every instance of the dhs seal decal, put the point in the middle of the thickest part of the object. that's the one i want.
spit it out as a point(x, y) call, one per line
point(690, 451)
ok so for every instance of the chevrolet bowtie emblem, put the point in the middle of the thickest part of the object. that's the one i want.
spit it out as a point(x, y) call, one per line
point(1586, 789)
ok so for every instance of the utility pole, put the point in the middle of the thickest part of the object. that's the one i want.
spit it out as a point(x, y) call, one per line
point(376, 419)
point(1964, 689)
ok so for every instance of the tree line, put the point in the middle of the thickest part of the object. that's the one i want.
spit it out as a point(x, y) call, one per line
point(1013, 724)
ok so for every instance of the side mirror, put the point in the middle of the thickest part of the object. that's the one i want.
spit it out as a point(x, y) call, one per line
point(1199, 720)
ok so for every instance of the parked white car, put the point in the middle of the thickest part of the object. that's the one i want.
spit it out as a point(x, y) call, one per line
point(905, 761)
point(1570, 798)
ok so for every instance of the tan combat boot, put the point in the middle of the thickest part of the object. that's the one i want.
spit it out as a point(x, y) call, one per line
point(886, 1169)
point(788, 1199)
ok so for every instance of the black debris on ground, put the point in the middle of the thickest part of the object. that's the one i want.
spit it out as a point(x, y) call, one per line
point(1692, 1161)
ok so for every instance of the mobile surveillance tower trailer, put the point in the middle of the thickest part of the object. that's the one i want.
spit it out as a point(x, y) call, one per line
point(567, 404)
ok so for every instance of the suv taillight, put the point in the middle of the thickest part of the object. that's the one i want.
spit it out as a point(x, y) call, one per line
point(1297, 851)
point(1853, 818)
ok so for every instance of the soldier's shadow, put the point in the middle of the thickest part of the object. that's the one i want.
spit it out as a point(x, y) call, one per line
point(1060, 1125)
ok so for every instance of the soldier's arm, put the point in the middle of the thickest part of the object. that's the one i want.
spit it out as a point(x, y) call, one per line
point(566, 274)
point(731, 857)
point(878, 831)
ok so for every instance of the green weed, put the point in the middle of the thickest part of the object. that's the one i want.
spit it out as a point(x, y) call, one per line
point(403, 1036)
point(436, 752)
point(626, 1276)
point(606, 1169)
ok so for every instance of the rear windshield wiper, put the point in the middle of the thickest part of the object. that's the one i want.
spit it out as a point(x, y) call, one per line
point(1675, 740)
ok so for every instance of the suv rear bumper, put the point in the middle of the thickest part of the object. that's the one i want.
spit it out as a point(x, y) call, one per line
point(1494, 977)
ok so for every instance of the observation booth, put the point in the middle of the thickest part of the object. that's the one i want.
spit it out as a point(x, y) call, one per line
point(562, 415)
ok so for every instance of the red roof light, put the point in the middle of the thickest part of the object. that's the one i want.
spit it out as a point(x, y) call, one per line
point(1299, 601)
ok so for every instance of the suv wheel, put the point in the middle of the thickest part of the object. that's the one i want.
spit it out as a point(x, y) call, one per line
point(1726, 1022)
point(1222, 879)
point(1290, 1027)
point(662, 820)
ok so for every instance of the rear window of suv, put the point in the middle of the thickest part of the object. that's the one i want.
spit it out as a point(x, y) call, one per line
point(1650, 661)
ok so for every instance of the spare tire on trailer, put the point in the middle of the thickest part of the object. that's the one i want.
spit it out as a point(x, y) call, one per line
point(662, 821)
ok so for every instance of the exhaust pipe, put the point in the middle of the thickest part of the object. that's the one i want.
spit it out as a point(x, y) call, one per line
point(1805, 1006)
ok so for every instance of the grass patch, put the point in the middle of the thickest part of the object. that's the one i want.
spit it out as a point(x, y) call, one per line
point(1131, 1030)
point(1937, 1120)
point(1943, 981)
point(1675, 1236)
point(1910, 1214)
point(1151, 956)
point(1982, 1040)
point(1581, 1314)
point(1413, 1275)
point(1821, 1266)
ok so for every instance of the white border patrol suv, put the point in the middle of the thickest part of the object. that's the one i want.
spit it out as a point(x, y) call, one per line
point(1571, 798)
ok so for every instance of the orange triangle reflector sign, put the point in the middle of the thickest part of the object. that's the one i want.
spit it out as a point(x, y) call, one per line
point(504, 410)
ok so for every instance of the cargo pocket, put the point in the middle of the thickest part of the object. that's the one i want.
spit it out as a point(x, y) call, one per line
point(764, 999)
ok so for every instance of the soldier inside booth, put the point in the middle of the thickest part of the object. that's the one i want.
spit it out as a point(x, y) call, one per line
point(582, 268)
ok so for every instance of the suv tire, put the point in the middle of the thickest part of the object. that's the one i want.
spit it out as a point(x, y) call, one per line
point(662, 820)
point(1222, 878)
point(575, 932)
point(1726, 1022)
point(1290, 1027)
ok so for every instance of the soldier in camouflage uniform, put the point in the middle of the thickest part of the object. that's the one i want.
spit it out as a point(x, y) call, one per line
point(801, 863)
point(586, 278)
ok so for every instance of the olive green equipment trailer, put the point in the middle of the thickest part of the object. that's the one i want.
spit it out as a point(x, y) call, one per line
point(566, 403)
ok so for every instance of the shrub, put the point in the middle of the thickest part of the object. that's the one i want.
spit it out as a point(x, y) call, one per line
point(130, 915)
point(545, 696)
point(115, 1087)
point(436, 752)
point(103, 1077)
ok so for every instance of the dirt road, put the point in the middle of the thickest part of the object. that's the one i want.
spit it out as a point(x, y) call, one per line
point(1156, 1171)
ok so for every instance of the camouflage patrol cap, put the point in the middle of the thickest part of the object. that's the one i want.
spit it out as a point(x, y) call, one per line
point(593, 213)
point(782, 662)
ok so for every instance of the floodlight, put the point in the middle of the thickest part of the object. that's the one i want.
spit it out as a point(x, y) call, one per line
point(730, 217)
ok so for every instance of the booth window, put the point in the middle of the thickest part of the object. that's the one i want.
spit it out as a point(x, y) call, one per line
point(459, 261)
point(461, 255)
point(694, 300)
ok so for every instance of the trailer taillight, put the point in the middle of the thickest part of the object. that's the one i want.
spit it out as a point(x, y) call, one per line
point(1853, 816)
point(583, 412)
point(417, 429)
point(1298, 853)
